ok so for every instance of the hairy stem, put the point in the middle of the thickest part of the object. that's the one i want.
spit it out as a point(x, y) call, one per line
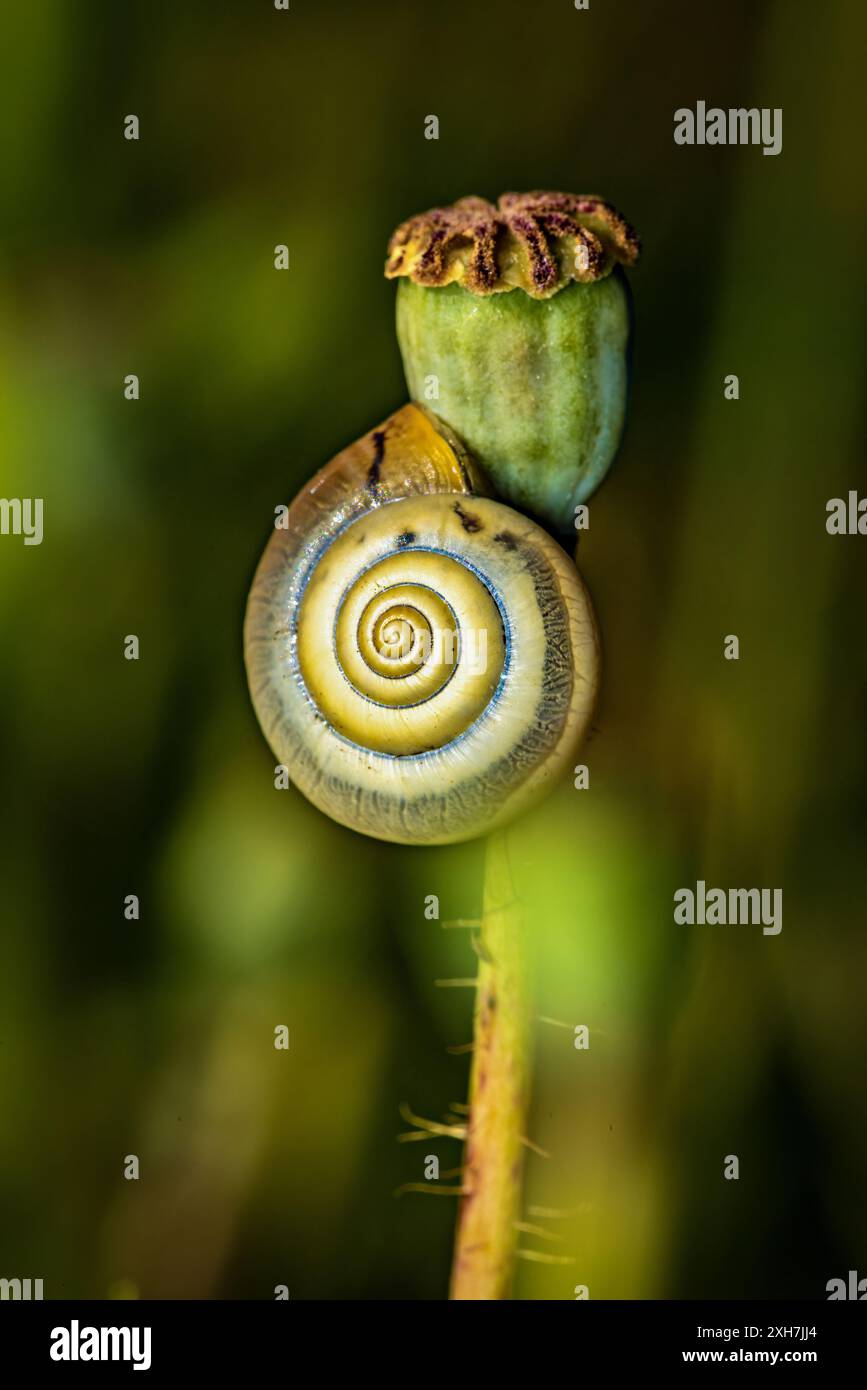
point(499, 1092)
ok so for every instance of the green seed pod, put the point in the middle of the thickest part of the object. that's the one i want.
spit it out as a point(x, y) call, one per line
point(513, 322)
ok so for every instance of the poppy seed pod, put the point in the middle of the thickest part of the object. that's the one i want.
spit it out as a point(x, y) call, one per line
point(513, 322)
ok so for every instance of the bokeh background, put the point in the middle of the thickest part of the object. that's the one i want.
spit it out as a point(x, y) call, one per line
point(155, 1037)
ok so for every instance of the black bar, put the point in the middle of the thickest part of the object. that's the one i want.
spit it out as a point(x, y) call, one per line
point(221, 1338)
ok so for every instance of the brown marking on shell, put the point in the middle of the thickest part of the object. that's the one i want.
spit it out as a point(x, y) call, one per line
point(376, 465)
point(469, 522)
point(537, 242)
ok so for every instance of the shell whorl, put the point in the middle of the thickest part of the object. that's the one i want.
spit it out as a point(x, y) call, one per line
point(422, 658)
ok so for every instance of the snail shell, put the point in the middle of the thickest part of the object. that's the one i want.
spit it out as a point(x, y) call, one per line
point(423, 659)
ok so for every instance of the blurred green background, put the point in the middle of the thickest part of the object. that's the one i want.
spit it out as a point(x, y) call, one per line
point(155, 1037)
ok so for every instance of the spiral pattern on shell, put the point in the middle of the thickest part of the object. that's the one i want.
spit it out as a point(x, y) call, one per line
point(423, 659)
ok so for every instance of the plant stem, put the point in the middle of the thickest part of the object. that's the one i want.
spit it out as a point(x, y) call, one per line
point(499, 1092)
